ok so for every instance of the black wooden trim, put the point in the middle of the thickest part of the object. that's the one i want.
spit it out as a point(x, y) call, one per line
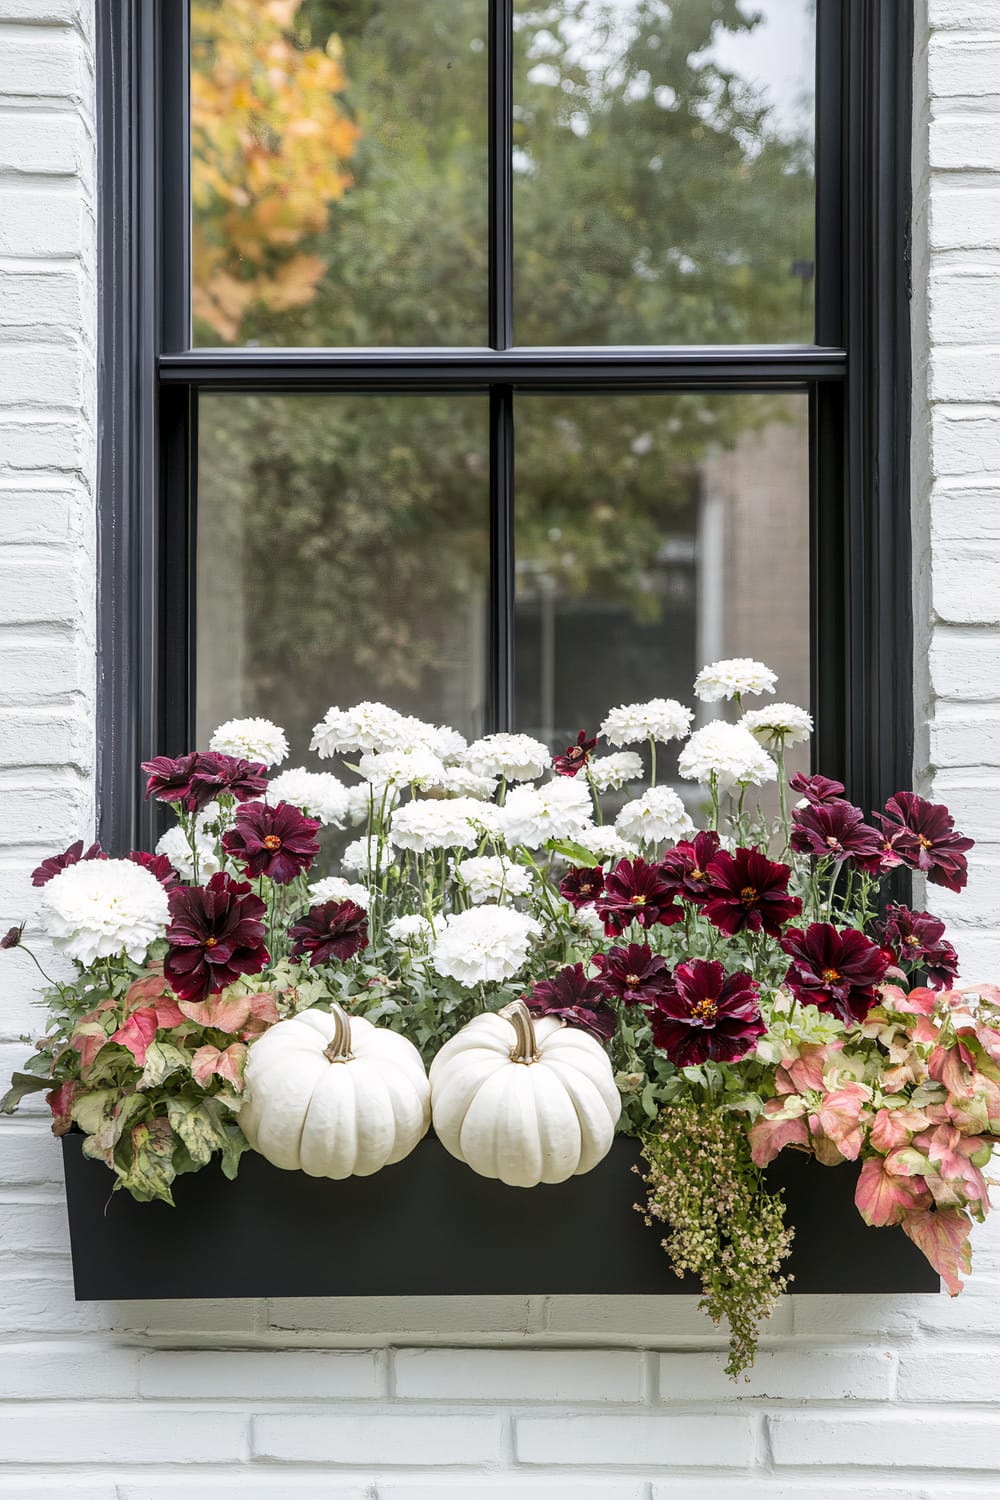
point(501, 174)
point(174, 167)
point(500, 700)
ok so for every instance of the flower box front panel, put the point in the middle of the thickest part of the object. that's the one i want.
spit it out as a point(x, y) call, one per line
point(430, 1227)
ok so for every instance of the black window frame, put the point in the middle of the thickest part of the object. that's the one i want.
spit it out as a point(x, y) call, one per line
point(857, 376)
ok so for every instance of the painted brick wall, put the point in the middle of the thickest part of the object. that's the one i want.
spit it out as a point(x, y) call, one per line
point(440, 1399)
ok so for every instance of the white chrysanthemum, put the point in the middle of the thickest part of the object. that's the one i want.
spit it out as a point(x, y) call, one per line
point(320, 794)
point(558, 810)
point(734, 678)
point(517, 757)
point(336, 888)
point(490, 878)
point(367, 726)
point(174, 844)
point(610, 772)
point(416, 766)
point(484, 945)
point(660, 719)
point(657, 815)
point(100, 907)
point(780, 724)
point(360, 855)
point(446, 743)
point(730, 753)
point(360, 800)
point(411, 932)
point(462, 781)
point(607, 843)
point(587, 922)
point(251, 739)
point(444, 823)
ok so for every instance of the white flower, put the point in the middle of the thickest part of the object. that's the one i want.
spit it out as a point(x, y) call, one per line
point(446, 743)
point(587, 922)
point(464, 782)
point(367, 726)
point(490, 878)
point(174, 844)
point(411, 932)
point(320, 794)
point(734, 678)
point(251, 739)
point(730, 753)
point(558, 810)
point(660, 719)
point(99, 907)
point(657, 815)
point(335, 888)
point(609, 772)
point(483, 945)
point(607, 843)
point(445, 823)
point(415, 766)
point(360, 855)
point(515, 756)
point(782, 723)
point(359, 803)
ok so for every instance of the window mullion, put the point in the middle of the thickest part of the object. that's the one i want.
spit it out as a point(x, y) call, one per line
point(501, 218)
point(500, 690)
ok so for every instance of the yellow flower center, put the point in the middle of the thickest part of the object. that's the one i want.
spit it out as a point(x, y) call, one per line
point(748, 895)
point(704, 1010)
point(637, 900)
point(272, 842)
point(211, 942)
point(631, 979)
point(830, 976)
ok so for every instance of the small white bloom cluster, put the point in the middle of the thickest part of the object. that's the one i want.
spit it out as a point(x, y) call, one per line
point(490, 878)
point(484, 945)
point(176, 846)
point(610, 772)
point(319, 794)
point(410, 932)
point(729, 753)
point(462, 781)
point(734, 678)
point(660, 719)
point(606, 843)
point(335, 888)
point(658, 815)
point(416, 766)
point(251, 739)
point(376, 727)
point(517, 757)
point(360, 855)
point(449, 823)
point(780, 724)
point(102, 907)
point(558, 810)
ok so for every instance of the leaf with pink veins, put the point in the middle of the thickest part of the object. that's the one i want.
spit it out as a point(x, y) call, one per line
point(782, 1124)
point(883, 1197)
point(841, 1115)
point(943, 1236)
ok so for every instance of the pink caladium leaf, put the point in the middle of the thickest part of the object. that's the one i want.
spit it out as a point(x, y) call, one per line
point(797, 1074)
point(227, 1063)
point(919, 1001)
point(223, 1012)
point(263, 1014)
point(884, 1197)
point(88, 1039)
point(137, 1033)
point(943, 1236)
point(60, 1101)
point(960, 1182)
point(950, 1066)
point(782, 1124)
point(841, 1116)
point(892, 1128)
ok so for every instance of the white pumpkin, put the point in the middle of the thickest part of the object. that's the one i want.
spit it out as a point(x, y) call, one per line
point(523, 1100)
point(334, 1096)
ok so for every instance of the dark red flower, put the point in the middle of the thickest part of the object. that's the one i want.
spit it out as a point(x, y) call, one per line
point(816, 788)
point(581, 886)
point(922, 835)
point(837, 830)
point(215, 936)
point(12, 937)
point(74, 855)
point(171, 779)
point(917, 937)
point(575, 999)
point(158, 865)
point(634, 975)
point(333, 930)
point(636, 892)
point(748, 892)
point(835, 971)
point(576, 756)
point(279, 842)
point(218, 775)
point(685, 866)
point(707, 1014)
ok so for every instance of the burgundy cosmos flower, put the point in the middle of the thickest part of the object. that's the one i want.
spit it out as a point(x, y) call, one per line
point(334, 929)
point(635, 975)
point(707, 1014)
point(835, 971)
point(12, 937)
point(685, 866)
point(197, 779)
point(71, 856)
point(636, 892)
point(836, 829)
point(748, 892)
point(917, 937)
point(581, 886)
point(576, 756)
point(215, 936)
point(158, 865)
point(816, 788)
point(923, 836)
point(574, 998)
point(279, 842)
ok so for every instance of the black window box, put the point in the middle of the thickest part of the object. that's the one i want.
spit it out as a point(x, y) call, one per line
point(430, 1226)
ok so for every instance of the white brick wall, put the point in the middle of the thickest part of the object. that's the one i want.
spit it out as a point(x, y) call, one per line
point(505, 1398)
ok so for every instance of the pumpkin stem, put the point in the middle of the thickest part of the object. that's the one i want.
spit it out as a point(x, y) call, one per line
point(339, 1049)
point(524, 1049)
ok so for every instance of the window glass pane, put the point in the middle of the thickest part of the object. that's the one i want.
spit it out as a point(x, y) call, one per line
point(663, 171)
point(655, 534)
point(343, 554)
point(339, 171)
